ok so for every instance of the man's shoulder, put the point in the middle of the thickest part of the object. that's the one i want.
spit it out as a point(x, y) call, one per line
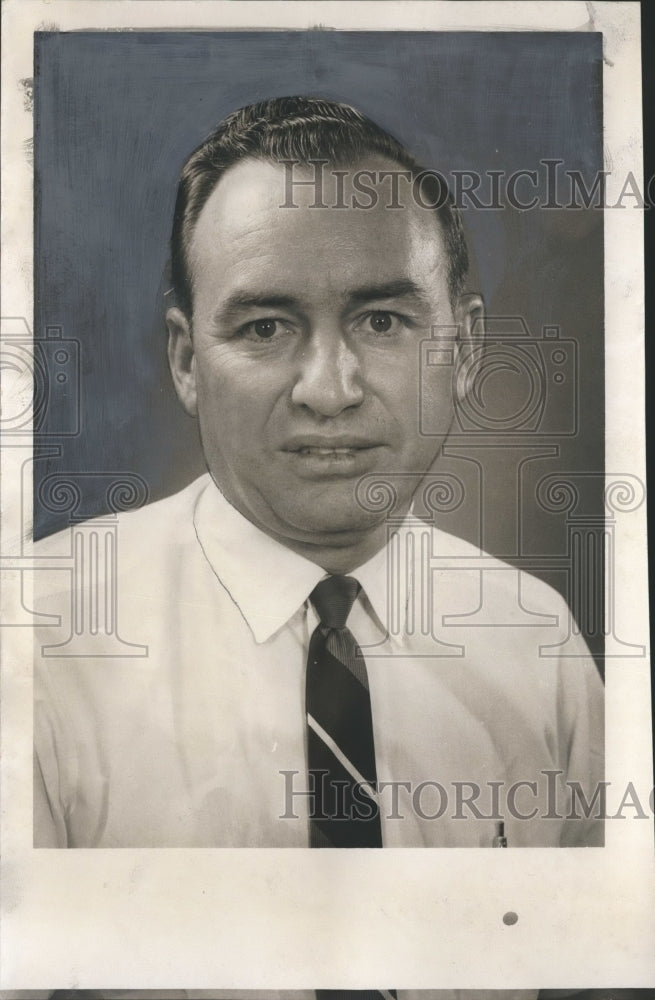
point(136, 529)
point(504, 582)
point(134, 551)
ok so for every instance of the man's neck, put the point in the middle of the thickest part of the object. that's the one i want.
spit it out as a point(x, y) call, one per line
point(336, 552)
point(343, 556)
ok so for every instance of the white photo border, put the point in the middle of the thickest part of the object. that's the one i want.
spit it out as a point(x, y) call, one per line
point(261, 918)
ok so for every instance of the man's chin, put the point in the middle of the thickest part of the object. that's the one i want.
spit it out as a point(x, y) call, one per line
point(332, 527)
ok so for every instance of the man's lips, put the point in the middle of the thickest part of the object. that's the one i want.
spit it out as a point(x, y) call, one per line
point(316, 456)
point(342, 444)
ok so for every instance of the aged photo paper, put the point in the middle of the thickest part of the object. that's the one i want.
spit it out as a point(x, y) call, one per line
point(442, 439)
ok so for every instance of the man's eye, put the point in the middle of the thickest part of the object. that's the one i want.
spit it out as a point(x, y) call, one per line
point(381, 322)
point(264, 329)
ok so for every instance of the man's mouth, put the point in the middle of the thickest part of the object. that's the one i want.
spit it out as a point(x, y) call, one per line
point(336, 445)
point(315, 457)
point(314, 450)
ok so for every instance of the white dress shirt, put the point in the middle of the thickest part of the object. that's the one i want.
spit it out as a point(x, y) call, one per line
point(201, 742)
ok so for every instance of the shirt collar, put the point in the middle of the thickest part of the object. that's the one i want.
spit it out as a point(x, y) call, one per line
point(266, 580)
point(373, 578)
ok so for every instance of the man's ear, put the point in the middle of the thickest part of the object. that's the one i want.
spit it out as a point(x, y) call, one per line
point(182, 360)
point(469, 316)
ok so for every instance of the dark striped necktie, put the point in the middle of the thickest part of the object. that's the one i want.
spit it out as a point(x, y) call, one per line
point(341, 754)
point(344, 811)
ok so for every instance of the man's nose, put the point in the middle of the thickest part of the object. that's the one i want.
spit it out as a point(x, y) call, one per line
point(328, 379)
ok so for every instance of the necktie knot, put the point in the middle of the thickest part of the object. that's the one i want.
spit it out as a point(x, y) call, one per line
point(333, 599)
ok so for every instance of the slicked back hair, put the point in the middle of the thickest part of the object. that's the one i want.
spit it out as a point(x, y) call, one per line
point(301, 129)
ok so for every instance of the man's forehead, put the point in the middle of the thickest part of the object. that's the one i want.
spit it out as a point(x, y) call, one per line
point(368, 183)
point(255, 212)
point(286, 190)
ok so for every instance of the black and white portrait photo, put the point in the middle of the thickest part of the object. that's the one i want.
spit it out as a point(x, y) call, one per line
point(286, 652)
point(329, 498)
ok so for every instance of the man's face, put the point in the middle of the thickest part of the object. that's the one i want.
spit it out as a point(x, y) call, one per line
point(301, 358)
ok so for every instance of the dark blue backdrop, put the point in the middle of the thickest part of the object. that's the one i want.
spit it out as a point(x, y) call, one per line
point(117, 113)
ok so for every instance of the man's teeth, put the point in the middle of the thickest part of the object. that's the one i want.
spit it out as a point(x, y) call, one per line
point(326, 451)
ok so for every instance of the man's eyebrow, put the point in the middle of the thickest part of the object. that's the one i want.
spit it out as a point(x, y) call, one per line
point(241, 301)
point(402, 288)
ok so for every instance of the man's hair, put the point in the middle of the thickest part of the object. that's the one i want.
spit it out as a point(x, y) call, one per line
point(301, 129)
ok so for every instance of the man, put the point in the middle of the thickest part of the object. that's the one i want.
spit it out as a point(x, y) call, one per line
point(288, 697)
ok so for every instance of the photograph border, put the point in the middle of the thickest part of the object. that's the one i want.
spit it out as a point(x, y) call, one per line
point(151, 918)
